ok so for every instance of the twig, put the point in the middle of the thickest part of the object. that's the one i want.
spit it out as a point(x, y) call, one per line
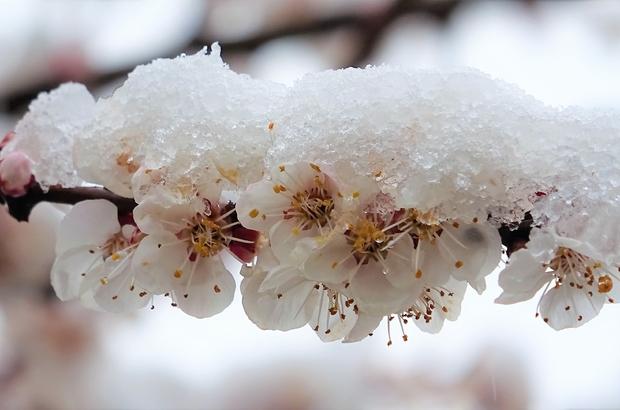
point(20, 207)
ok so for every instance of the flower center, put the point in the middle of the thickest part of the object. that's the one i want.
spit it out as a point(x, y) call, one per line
point(206, 237)
point(579, 270)
point(368, 240)
point(419, 230)
point(115, 244)
point(313, 207)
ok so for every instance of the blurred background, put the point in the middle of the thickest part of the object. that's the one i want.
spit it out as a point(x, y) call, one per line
point(61, 356)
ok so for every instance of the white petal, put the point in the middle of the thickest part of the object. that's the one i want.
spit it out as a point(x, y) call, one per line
point(68, 268)
point(433, 265)
point(330, 327)
point(477, 246)
point(291, 310)
point(120, 294)
point(211, 290)
point(155, 261)
point(565, 306)
point(331, 263)
point(454, 293)
point(399, 269)
point(433, 325)
point(375, 295)
point(151, 217)
point(278, 276)
point(542, 245)
point(265, 261)
point(522, 278)
point(283, 240)
point(260, 199)
point(88, 222)
point(297, 177)
point(364, 326)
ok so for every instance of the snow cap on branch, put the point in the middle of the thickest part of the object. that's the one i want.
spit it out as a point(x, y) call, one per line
point(47, 131)
point(190, 118)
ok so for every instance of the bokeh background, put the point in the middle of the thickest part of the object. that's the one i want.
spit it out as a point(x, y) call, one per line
point(61, 356)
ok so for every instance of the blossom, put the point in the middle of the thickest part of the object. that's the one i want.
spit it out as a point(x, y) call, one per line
point(296, 203)
point(276, 296)
point(428, 312)
point(443, 249)
point(94, 258)
point(576, 282)
point(436, 304)
point(181, 255)
point(360, 254)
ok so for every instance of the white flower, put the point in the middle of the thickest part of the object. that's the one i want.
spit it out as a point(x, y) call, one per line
point(94, 258)
point(436, 304)
point(181, 255)
point(576, 283)
point(278, 297)
point(360, 255)
point(465, 251)
point(296, 203)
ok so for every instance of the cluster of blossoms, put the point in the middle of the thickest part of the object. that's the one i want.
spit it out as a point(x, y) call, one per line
point(342, 256)
point(353, 196)
point(118, 264)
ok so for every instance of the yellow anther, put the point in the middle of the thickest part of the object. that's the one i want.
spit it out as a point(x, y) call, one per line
point(327, 202)
point(334, 265)
point(148, 171)
point(282, 168)
point(104, 281)
point(178, 273)
point(253, 213)
point(217, 289)
point(115, 257)
point(455, 224)
point(418, 274)
point(596, 265)
point(217, 181)
point(605, 284)
point(378, 174)
point(356, 194)
point(458, 264)
point(264, 216)
point(296, 230)
point(282, 188)
point(339, 194)
point(271, 124)
point(315, 167)
point(276, 189)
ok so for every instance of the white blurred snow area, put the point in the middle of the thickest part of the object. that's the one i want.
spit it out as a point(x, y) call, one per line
point(493, 356)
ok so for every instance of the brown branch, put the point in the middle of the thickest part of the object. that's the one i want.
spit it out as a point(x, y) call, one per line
point(516, 237)
point(513, 237)
point(20, 207)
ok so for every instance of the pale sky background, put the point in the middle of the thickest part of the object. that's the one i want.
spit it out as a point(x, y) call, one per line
point(561, 53)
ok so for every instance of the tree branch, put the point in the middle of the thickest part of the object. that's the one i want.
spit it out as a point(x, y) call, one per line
point(20, 207)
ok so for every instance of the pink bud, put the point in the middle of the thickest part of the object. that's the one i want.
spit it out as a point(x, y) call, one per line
point(15, 174)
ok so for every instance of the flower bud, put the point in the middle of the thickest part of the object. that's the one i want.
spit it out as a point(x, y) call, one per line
point(15, 174)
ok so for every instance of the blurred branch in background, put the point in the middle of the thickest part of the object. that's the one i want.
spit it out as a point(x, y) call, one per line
point(367, 22)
